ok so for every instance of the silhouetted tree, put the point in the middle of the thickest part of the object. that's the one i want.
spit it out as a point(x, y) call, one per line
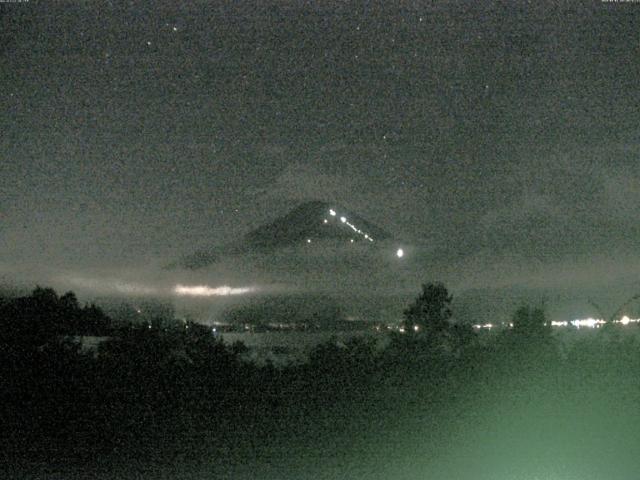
point(428, 331)
point(430, 312)
point(30, 322)
point(69, 302)
point(43, 317)
point(531, 322)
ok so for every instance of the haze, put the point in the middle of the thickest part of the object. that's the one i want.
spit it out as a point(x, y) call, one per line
point(501, 139)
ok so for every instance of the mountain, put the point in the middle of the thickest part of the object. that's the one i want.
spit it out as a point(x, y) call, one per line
point(307, 224)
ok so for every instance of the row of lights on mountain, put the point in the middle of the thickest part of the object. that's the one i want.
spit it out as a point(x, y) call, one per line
point(344, 220)
point(332, 212)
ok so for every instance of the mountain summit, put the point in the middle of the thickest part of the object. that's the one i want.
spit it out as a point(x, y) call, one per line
point(308, 223)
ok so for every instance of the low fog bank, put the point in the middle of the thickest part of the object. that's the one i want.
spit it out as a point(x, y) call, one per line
point(365, 285)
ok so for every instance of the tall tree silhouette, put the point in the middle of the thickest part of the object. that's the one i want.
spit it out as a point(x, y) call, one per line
point(531, 322)
point(430, 312)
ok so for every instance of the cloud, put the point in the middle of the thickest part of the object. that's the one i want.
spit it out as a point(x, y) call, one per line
point(300, 182)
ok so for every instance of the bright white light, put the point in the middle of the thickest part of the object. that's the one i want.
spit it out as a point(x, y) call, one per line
point(625, 320)
point(350, 225)
point(308, 240)
point(351, 240)
point(587, 322)
point(400, 253)
point(416, 328)
point(205, 291)
point(483, 325)
point(326, 221)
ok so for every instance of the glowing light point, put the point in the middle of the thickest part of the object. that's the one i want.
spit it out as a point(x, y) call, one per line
point(400, 253)
point(326, 221)
point(343, 219)
point(308, 240)
point(351, 240)
point(332, 212)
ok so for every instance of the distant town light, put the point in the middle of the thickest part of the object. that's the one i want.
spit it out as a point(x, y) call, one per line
point(587, 322)
point(400, 253)
point(326, 221)
point(343, 219)
point(578, 323)
point(308, 240)
point(332, 212)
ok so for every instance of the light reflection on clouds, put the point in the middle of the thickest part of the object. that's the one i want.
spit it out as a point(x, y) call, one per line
point(206, 291)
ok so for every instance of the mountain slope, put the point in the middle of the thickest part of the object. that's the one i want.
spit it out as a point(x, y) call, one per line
point(308, 223)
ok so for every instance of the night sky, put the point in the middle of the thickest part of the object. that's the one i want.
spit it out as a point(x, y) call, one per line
point(502, 137)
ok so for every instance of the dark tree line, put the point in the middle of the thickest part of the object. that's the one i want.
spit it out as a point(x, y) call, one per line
point(40, 317)
point(147, 385)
